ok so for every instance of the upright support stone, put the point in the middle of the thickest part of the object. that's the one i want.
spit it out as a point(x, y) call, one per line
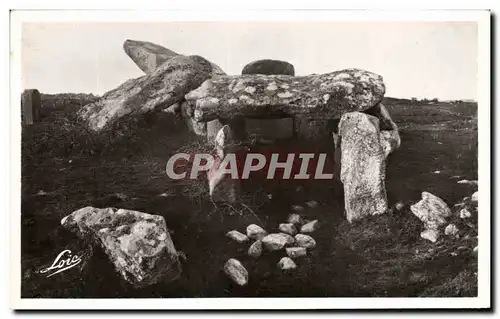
point(362, 166)
point(389, 132)
point(222, 187)
point(213, 127)
point(31, 104)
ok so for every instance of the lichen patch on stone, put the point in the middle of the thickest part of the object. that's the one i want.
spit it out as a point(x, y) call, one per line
point(285, 95)
point(250, 89)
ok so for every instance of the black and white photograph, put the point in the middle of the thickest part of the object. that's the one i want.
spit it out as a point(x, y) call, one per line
point(180, 158)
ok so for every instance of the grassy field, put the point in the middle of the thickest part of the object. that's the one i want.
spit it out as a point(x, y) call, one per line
point(66, 167)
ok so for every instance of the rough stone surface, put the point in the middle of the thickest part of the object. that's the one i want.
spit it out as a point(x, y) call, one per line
point(305, 241)
point(465, 213)
point(146, 55)
point(269, 67)
point(222, 187)
point(286, 263)
point(310, 227)
point(467, 182)
point(294, 219)
point(289, 238)
point(451, 230)
point(256, 232)
point(287, 228)
point(430, 234)
point(160, 89)
point(31, 104)
point(274, 242)
point(432, 211)
point(294, 252)
point(255, 249)
point(362, 166)
point(149, 56)
point(236, 271)
point(474, 197)
point(326, 96)
point(237, 236)
point(389, 132)
point(138, 244)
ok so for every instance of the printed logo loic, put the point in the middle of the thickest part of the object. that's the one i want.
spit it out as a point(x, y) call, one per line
point(64, 261)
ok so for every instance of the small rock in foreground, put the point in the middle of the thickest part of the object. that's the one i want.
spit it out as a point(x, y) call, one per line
point(305, 241)
point(309, 227)
point(474, 197)
point(274, 242)
point(430, 234)
point(464, 181)
point(286, 263)
point(236, 271)
point(312, 204)
point(465, 213)
point(294, 219)
point(288, 228)
point(255, 232)
point(255, 250)
point(294, 252)
point(451, 230)
point(237, 236)
point(289, 238)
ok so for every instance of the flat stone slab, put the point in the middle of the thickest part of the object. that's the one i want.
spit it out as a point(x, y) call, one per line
point(325, 96)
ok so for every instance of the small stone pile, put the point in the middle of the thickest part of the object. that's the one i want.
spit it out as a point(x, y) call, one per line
point(435, 214)
point(293, 236)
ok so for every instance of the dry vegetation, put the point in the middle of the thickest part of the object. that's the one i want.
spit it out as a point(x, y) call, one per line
point(124, 167)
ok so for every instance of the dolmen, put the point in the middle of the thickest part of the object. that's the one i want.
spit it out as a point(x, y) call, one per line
point(217, 106)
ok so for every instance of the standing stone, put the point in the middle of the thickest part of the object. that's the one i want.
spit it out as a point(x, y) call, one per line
point(213, 127)
point(222, 187)
point(138, 244)
point(31, 104)
point(269, 67)
point(362, 166)
point(432, 211)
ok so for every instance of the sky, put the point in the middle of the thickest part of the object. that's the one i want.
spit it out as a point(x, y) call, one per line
point(416, 59)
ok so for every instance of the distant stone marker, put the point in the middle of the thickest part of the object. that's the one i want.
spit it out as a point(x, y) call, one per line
point(269, 67)
point(31, 104)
